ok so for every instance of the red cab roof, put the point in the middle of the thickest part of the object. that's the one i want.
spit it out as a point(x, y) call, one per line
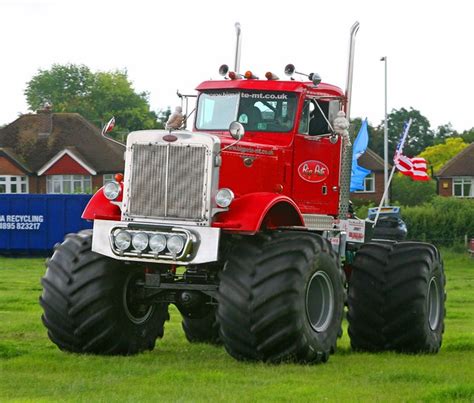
point(272, 85)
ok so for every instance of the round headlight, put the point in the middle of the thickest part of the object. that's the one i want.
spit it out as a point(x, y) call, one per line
point(175, 244)
point(123, 240)
point(111, 190)
point(157, 243)
point(224, 197)
point(140, 241)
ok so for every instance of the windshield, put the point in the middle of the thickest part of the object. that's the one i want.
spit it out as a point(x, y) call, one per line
point(256, 110)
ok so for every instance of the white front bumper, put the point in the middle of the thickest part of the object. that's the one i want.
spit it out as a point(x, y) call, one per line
point(205, 241)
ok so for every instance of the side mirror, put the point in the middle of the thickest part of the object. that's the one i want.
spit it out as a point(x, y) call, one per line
point(236, 130)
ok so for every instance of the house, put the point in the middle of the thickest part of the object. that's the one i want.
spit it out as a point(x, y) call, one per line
point(456, 177)
point(51, 152)
point(374, 182)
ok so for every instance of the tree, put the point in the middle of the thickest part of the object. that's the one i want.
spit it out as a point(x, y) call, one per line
point(468, 135)
point(354, 128)
point(407, 192)
point(438, 155)
point(96, 96)
point(443, 132)
point(419, 137)
point(68, 87)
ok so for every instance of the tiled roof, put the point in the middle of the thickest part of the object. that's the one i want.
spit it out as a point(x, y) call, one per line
point(461, 164)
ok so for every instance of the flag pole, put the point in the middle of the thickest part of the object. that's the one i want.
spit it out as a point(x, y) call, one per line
point(383, 196)
point(399, 150)
point(385, 138)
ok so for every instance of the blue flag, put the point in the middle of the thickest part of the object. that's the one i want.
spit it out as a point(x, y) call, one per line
point(360, 145)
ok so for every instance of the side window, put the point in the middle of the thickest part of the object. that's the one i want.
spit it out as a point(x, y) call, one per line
point(303, 126)
point(317, 122)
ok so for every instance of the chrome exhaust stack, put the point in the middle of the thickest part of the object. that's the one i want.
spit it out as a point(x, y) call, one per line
point(346, 157)
point(237, 47)
point(350, 69)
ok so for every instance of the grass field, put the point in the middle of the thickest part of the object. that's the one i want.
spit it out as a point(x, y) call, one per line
point(33, 369)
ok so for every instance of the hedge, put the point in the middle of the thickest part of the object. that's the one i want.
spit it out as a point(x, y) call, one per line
point(443, 221)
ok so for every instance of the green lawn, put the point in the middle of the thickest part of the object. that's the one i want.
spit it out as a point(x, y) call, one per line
point(33, 369)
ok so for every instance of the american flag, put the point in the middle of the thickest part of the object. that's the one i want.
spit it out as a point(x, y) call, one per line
point(415, 167)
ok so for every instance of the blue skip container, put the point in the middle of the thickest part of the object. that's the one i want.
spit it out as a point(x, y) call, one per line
point(33, 223)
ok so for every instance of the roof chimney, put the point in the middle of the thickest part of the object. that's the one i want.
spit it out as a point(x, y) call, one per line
point(45, 120)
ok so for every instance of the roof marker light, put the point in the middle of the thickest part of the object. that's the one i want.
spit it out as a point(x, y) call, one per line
point(250, 76)
point(270, 76)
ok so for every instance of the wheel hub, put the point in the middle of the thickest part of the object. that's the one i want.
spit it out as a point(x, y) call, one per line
point(137, 312)
point(320, 301)
point(434, 304)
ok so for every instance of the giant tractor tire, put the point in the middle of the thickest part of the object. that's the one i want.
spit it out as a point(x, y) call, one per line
point(203, 329)
point(281, 298)
point(89, 302)
point(397, 298)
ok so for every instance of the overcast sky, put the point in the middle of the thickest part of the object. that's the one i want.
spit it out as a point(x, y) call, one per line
point(173, 45)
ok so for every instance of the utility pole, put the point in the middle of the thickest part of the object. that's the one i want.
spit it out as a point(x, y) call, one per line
point(385, 140)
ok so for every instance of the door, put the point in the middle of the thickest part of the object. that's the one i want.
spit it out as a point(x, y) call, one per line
point(316, 161)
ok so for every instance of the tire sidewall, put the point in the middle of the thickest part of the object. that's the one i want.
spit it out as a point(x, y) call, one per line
point(389, 298)
point(203, 329)
point(83, 302)
point(434, 336)
point(262, 299)
point(325, 339)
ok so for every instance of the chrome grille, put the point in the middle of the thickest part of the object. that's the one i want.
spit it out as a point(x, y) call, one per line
point(168, 181)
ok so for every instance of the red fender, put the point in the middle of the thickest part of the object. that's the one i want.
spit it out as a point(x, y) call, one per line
point(253, 211)
point(101, 208)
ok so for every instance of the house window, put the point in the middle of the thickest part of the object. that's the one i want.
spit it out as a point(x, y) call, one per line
point(369, 184)
point(13, 184)
point(109, 178)
point(463, 187)
point(66, 184)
